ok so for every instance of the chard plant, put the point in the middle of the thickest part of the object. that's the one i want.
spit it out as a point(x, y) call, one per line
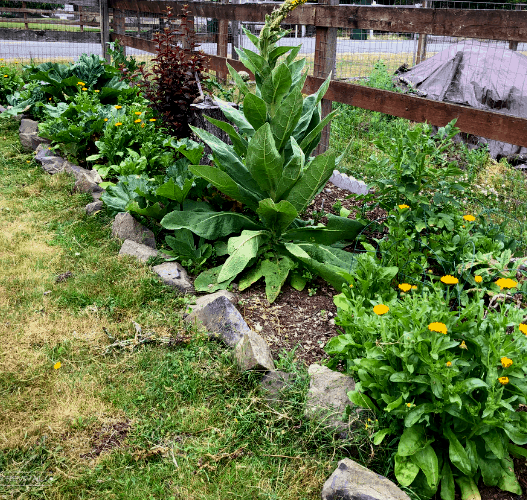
point(268, 169)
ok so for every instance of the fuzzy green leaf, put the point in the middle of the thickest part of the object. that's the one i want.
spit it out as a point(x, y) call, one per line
point(255, 110)
point(173, 191)
point(239, 144)
point(287, 115)
point(275, 274)
point(276, 86)
point(426, 460)
point(276, 217)
point(291, 172)
point(207, 281)
point(412, 440)
point(405, 471)
point(242, 86)
point(237, 117)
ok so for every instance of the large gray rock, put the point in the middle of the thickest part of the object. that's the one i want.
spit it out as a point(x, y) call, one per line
point(327, 397)
point(253, 353)
point(27, 130)
point(174, 275)
point(51, 163)
point(221, 319)
point(201, 302)
point(352, 481)
point(86, 181)
point(125, 227)
point(2, 109)
point(94, 207)
point(137, 250)
point(273, 383)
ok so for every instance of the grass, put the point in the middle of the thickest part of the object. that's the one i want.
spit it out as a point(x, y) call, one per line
point(154, 422)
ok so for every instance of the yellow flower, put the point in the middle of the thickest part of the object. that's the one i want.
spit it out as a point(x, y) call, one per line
point(96, 91)
point(449, 363)
point(49, 99)
point(506, 283)
point(438, 327)
point(82, 84)
point(118, 124)
point(402, 207)
point(478, 279)
point(137, 121)
point(463, 345)
point(137, 113)
point(503, 380)
point(6, 76)
point(405, 287)
point(28, 161)
point(409, 405)
point(506, 362)
point(449, 280)
point(152, 120)
point(84, 88)
point(56, 366)
point(351, 286)
point(469, 218)
point(118, 107)
point(106, 119)
point(414, 287)
point(380, 309)
point(523, 328)
point(142, 124)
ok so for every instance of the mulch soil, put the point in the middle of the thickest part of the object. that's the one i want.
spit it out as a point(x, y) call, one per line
point(304, 321)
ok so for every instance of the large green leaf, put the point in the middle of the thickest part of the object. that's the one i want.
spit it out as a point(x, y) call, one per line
point(173, 191)
point(496, 442)
point(255, 110)
point(242, 86)
point(263, 160)
point(156, 211)
point(412, 440)
point(236, 117)
point(448, 488)
point(458, 455)
point(209, 225)
point(291, 171)
point(516, 435)
point(278, 51)
point(405, 471)
point(241, 250)
point(508, 481)
point(336, 229)
point(315, 175)
point(250, 277)
point(239, 144)
point(469, 489)
point(286, 118)
point(257, 61)
point(117, 197)
point(275, 274)
point(207, 281)
point(310, 141)
point(426, 460)
point(276, 86)
point(276, 217)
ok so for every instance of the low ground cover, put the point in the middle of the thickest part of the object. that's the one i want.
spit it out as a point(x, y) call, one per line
point(421, 272)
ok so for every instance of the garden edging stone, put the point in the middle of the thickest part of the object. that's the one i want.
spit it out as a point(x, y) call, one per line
point(94, 207)
point(253, 353)
point(137, 250)
point(125, 227)
point(351, 481)
point(174, 275)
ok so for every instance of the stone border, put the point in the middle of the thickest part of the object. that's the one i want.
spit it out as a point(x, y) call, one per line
point(326, 399)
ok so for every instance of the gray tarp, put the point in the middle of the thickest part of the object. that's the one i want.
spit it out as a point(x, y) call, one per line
point(478, 74)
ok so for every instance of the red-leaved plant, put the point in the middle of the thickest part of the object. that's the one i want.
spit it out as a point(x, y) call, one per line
point(171, 86)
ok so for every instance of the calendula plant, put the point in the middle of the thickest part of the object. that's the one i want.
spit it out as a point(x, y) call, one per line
point(268, 169)
point(450, 383)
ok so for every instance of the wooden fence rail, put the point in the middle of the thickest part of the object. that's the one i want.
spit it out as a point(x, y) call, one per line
point(486, 24)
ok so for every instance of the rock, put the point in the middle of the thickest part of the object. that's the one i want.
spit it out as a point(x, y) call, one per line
point(84, 185)
point(137, 250)
point(273, 383)
point(82, 173)
point(2, 109)
point(36, 141)
point(327, 397)
point(201, 302)
point(91, 208)
point(51, 163)
point(352, 481)
point(27, 130)
point(96, 195)
point(348, 183)
point(125, 227)
point(221, 319)
point(174, 275)
point(253, 353)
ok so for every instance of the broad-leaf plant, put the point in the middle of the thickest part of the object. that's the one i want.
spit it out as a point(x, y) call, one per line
point(269, 170)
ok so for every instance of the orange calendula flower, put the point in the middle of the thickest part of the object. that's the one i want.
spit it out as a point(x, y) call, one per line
point(380, 309)
point(56, 366)
point(405, 287)
point(463, 345)
point(469, 218)
point(403, 207)
point(449, 363)
point(82, 84)
point(106, 119)
point(118, 124)
point(351, 286)
point(478, 279)
point(414, 287)
point(409, 405)
point(503, 380)
point(152, 120)
point(523, 328)
point(506, 283)
point(6, 76)
point(438, 327)
point(96, 91)
point(449, 280)
point(506, 362)
point(137, 121)
point(137, 113)
point(117, 107)
point(84, 88)
point(142, 124)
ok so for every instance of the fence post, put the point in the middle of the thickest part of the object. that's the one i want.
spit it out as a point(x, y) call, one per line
point(325, 62)
point(223, 45)
point(119, 21)
point(104, 22)
point(421, 44)
point(26, 25)
point(512, 44)
point(235, 29)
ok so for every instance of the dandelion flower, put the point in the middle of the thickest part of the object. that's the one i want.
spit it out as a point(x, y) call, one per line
point(137, 121)
point(402, 207)
point(380, 309)
point(506, 283)
point(56, 366)
point(438, 327)
point(523, 328)
point(503, 380)
point(478, 279)
point(469, 218)
point(506, 362)
point(405, 287)
point(449, 363)
point(117, 107)
point(118, 124)
point(463, 345)
point(449, 280)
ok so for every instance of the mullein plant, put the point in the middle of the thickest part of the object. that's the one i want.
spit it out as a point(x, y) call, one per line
point(269, 170)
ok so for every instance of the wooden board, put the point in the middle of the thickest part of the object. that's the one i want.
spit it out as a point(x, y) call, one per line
point(55, 22)
point(470, 23)
point(84, 3)
point(50, 36)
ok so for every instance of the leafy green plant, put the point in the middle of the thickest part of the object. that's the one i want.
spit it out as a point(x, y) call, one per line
point(10, 81)
point(128, 66)
point(450, 382)
point(269, 170)
point(380, 78)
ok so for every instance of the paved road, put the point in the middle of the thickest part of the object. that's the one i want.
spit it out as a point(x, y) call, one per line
point(10, 50)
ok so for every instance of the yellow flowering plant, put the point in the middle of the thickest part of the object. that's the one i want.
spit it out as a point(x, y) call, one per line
point(446, 382)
